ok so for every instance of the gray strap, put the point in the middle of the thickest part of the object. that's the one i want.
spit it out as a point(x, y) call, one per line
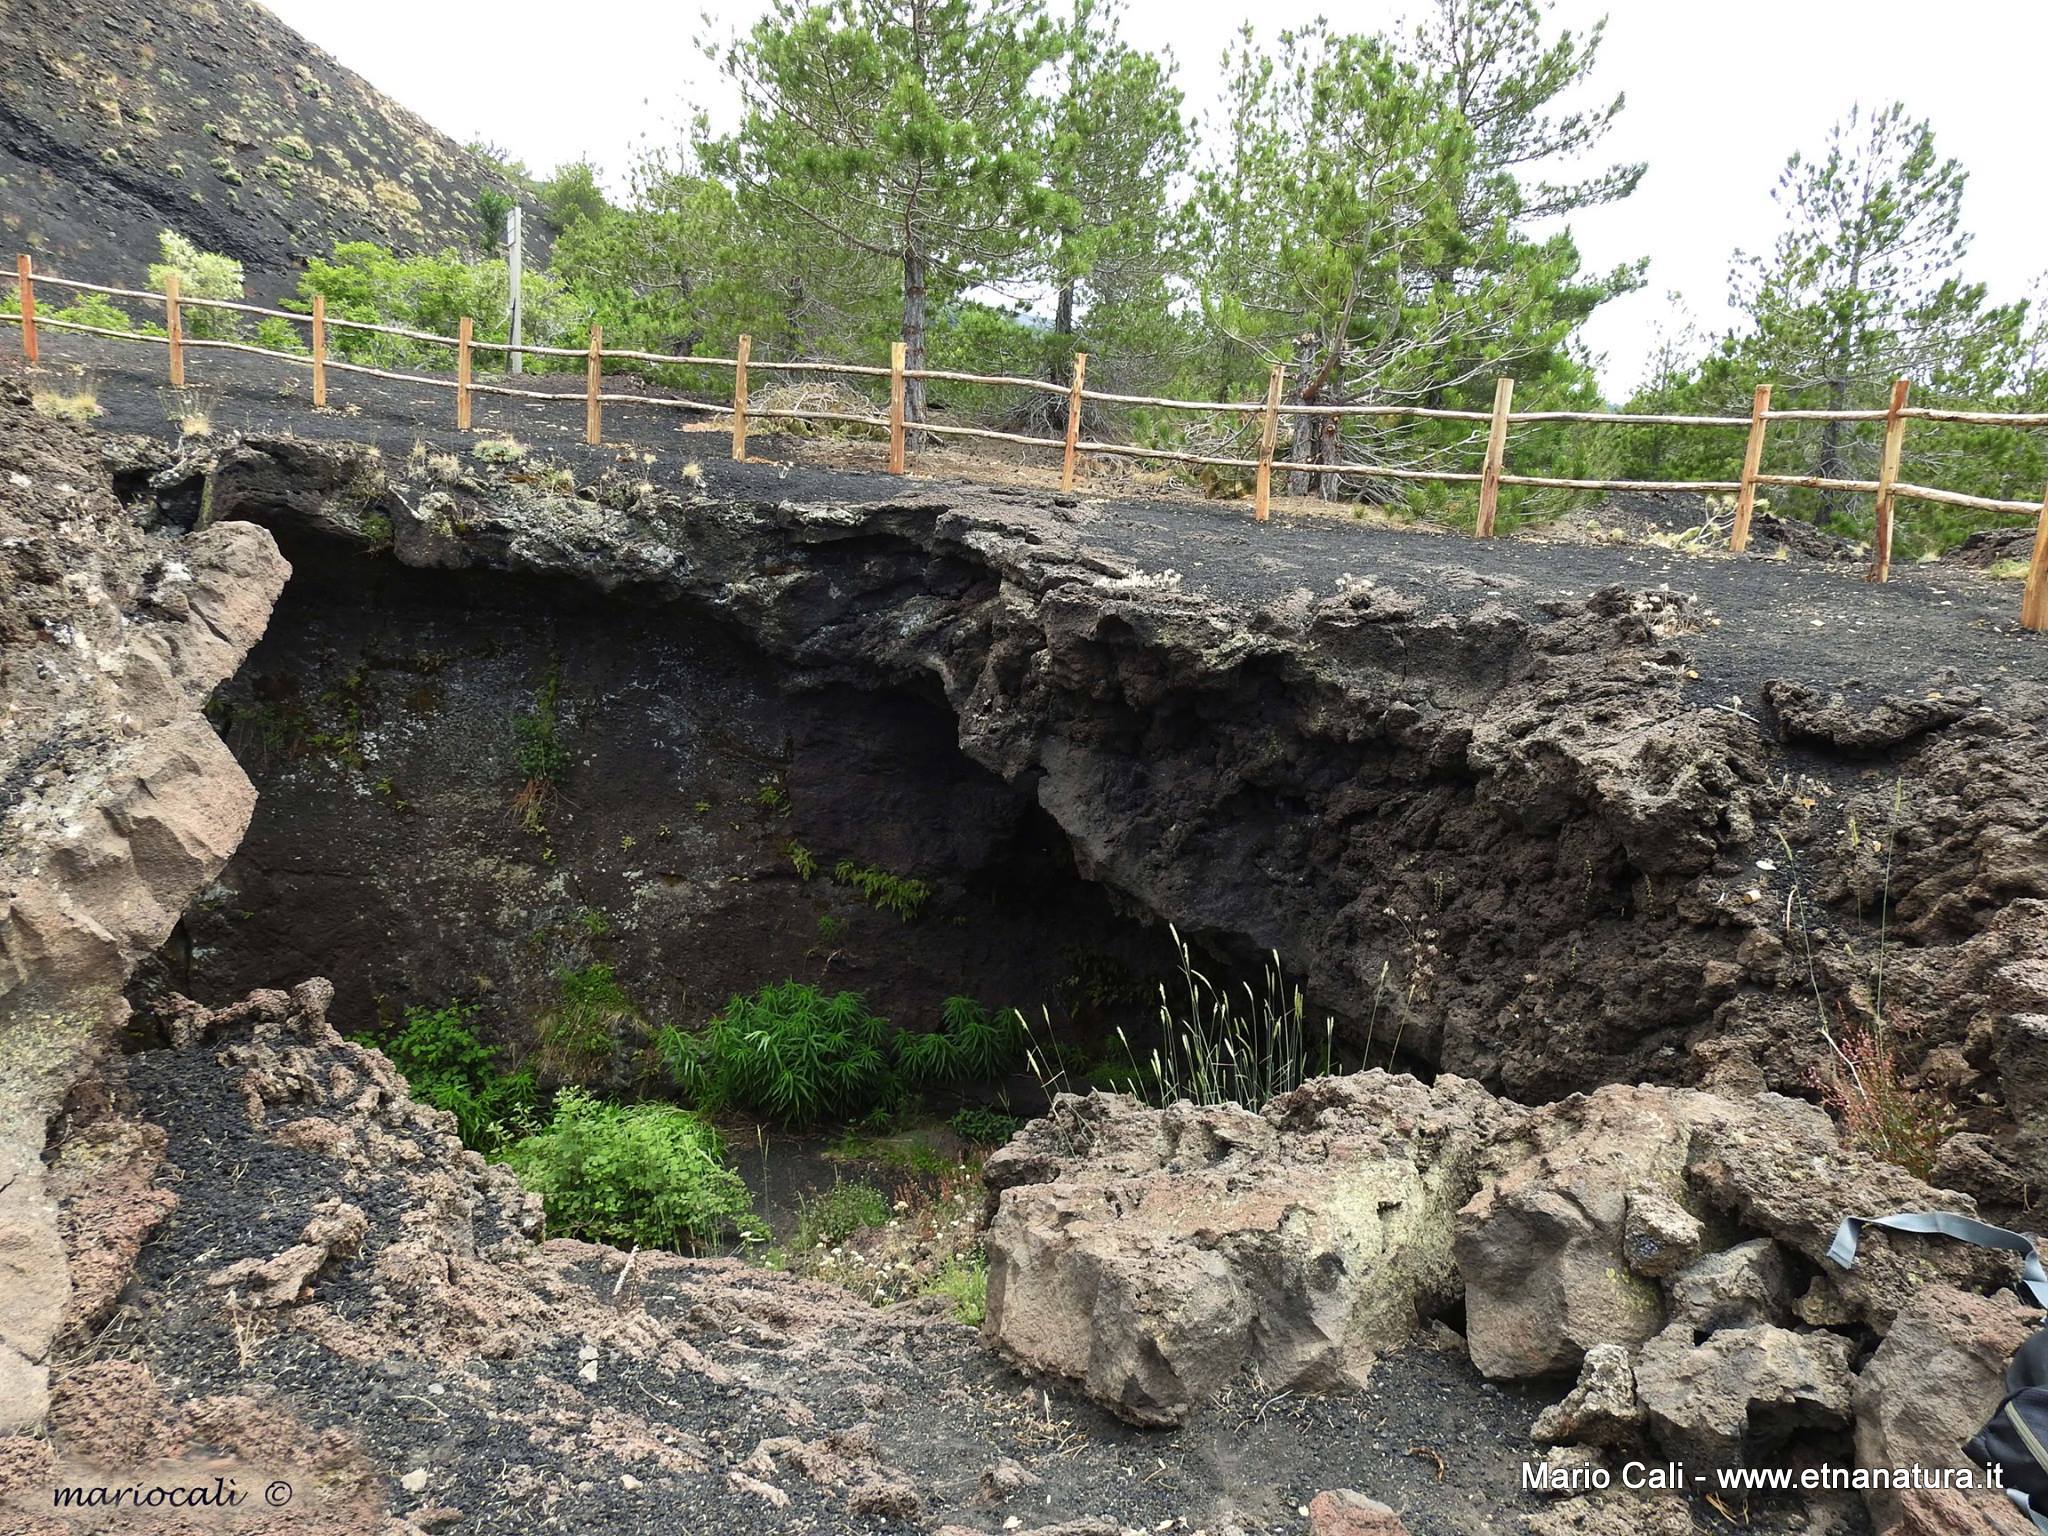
point(2033, 1283)
point(2026, 1507)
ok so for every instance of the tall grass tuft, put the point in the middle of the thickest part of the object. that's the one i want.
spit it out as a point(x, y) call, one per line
point(1231, 1046)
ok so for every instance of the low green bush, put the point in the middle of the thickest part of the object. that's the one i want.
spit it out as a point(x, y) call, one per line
point(201, 275)
point(827, 1220)
point(970, 1045)
point(963, 1282)
point(983, 1127)
point(795, 1054)
point(580, 1031)
point(646, 1174)
point(277, 335)
point(790, 1052)
point(446, 1065)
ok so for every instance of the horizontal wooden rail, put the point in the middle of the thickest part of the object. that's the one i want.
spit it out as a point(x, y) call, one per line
point(1887, 488)
point(1044, 386)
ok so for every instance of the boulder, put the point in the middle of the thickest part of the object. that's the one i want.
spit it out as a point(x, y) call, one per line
point(1742, 1392)
point(1589, 1197)
point(1938, 1375)
point(1151, 1254)
point(1778, 1166)
point(1541, 1246)
point(1601, 1410)
point(1740, 1287)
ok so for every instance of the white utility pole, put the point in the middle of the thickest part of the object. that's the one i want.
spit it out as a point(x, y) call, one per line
point(515, 243)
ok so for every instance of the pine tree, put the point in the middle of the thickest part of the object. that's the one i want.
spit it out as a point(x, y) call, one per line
point(1361, 227)
point(1116, 138)
point(905, 131)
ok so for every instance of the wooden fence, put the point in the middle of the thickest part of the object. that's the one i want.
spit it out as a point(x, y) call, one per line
point(1888, 489)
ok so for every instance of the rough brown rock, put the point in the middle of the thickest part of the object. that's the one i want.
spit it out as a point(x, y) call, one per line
point(1601, 1409)
point(1936, 1378)
point(1346, 1512)
point(1544, 1245)
point(1739, 1287)
point(1152, 1254)
point(120, 802)
point(1742, 1392)
point(1541, 1247)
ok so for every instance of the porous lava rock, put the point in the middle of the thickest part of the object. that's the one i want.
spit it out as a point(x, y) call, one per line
point(1153, 1253)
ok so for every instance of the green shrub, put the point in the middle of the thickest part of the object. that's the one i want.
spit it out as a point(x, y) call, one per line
point(964, 1282)
point(970, 1045)
point(789, 1052)
point(890, 893)
point(201, 275)
point(827, 1220)
point(580, 1032)
point(93, 309)
point(279, 335)
point(649, 1174)
point(445, 1064)
point(365, 282)
point(983, 1127)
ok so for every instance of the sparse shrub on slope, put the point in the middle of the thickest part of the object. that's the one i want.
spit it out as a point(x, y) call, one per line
point(201, 275)
point(646, 1174)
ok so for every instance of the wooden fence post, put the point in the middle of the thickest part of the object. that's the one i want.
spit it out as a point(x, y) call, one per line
point(1269, 435)
point(897, 351)
point(593, 375)
point(1073, 421)
point(1887, 474)
point(319, 351)
point(739, 399)
point(2034, 603)
point(465, 330)
point(1752, 466)
point(25, 285)
point(174, 328)
point(1496, 453)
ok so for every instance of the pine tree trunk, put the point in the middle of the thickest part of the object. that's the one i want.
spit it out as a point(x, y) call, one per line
point(914, 325)
point(1063, 328)
point(1304, 448)
point(1831, 465)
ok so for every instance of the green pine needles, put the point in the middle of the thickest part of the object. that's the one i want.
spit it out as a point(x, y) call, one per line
point(646, 1174)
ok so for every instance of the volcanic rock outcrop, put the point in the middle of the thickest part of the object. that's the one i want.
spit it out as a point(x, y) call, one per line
point(120, 802)
point(1535, 845)
point(1152, 1255)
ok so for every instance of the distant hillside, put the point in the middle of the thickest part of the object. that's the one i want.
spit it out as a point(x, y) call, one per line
point(213, 118)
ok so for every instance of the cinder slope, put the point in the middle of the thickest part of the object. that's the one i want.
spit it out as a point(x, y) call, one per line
point(213, 118)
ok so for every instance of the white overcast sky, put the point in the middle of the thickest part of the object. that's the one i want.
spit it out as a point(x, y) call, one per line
point(1719, 92)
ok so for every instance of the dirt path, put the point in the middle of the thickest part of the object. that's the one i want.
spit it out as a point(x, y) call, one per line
point(1933, 626)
